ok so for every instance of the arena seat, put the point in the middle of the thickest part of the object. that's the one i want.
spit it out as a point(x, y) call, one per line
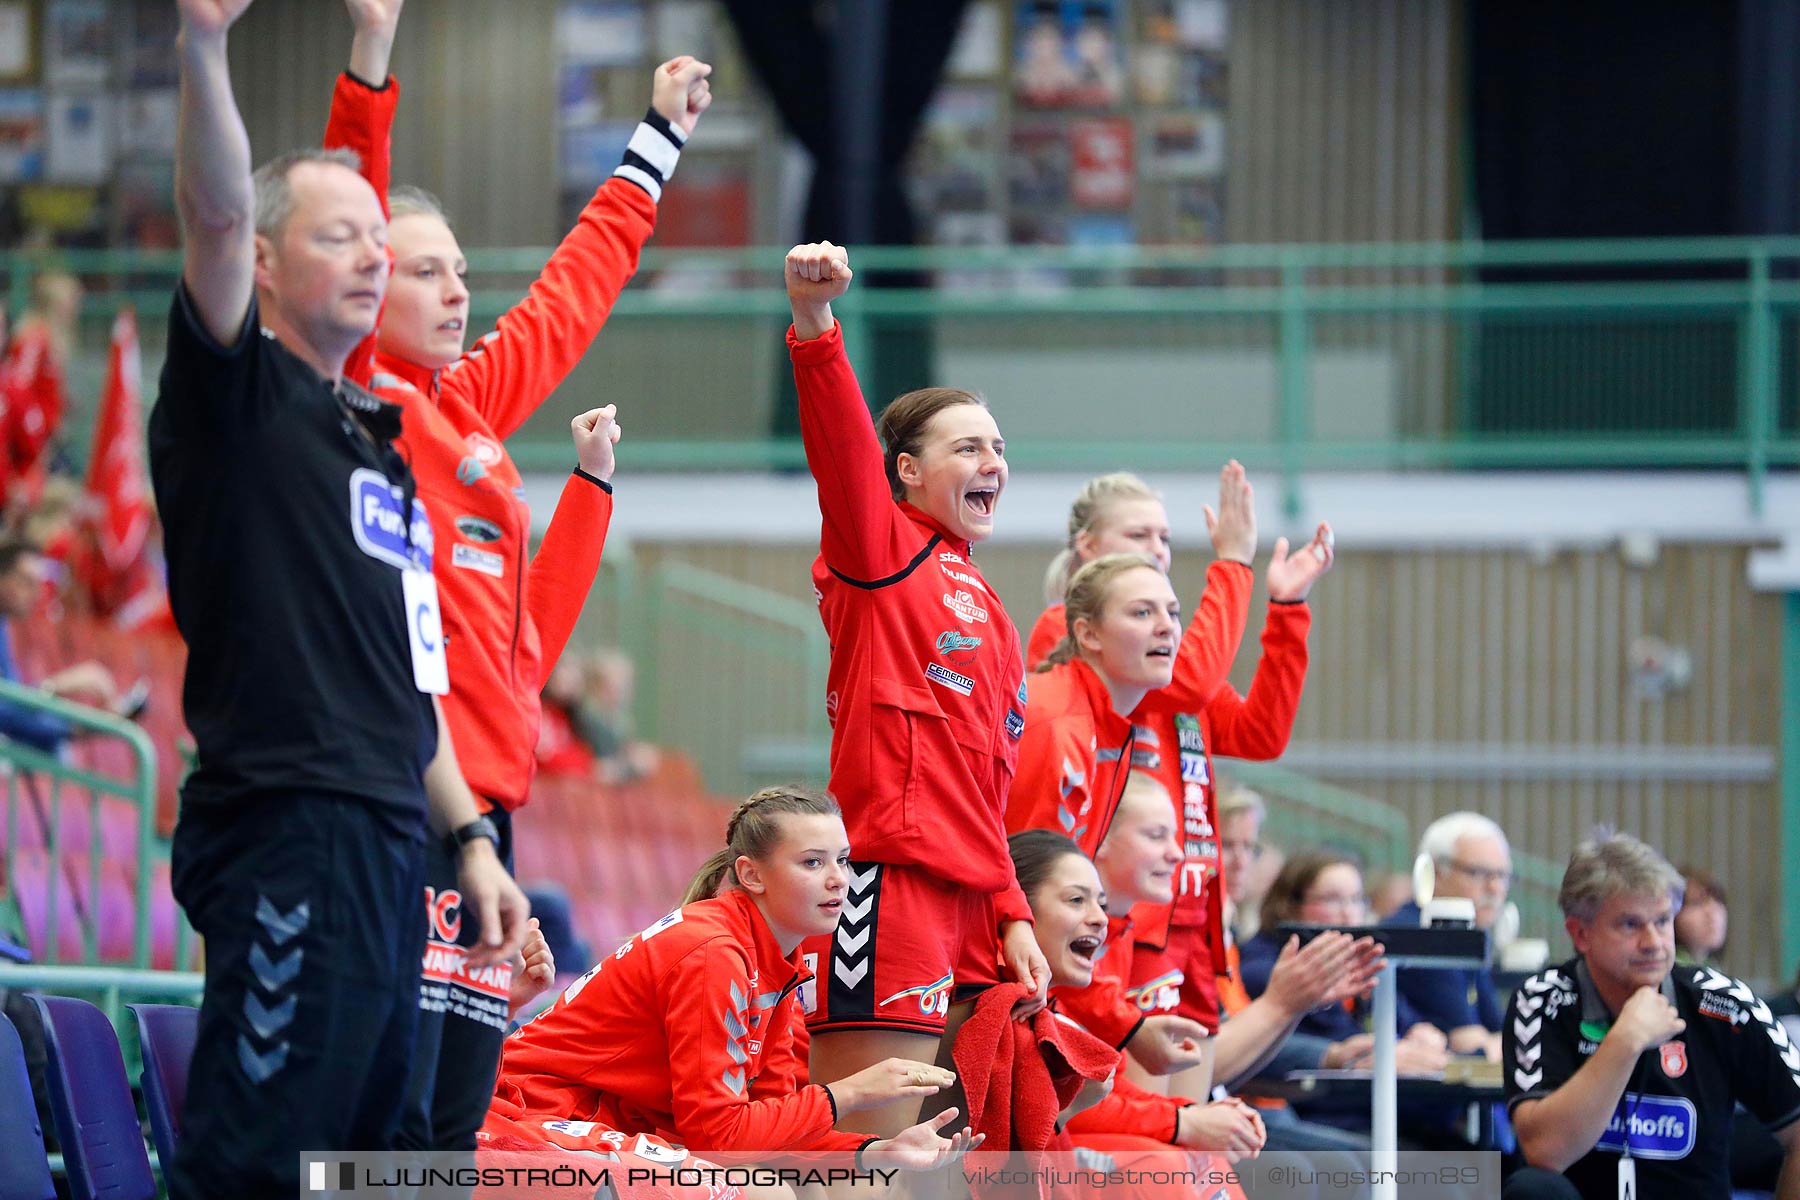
point(24, 1171)
point(96, 1118)
point(166, 1032)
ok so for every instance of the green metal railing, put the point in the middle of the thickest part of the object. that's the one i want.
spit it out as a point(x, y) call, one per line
point(1490, 362)
point(707, 642)
point(41, 781)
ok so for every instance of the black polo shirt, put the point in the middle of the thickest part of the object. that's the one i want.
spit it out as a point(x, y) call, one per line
point(285, 549)
point(1676, 1111)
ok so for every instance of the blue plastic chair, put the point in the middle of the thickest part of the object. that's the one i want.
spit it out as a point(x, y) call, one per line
point(24, 1172)
point(166, 1032)
point(96, 1119)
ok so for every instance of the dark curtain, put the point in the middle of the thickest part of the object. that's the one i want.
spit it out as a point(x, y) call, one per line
point(1621, 118)
point(792, 46)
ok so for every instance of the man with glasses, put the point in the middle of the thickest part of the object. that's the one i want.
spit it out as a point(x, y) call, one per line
point(1473, 862)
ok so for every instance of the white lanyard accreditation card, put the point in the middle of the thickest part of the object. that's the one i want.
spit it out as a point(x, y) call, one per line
point(425, 628)
point(1628, 1189)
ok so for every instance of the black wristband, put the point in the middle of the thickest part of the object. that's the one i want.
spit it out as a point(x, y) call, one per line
point(1302, 600)
point(1126, 1040)
point(595, 480)
point(383, 86)
point(861, 1148)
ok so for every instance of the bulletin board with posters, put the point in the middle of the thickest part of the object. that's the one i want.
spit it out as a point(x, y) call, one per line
point(1079, 122)
point(87, 121)
point(724, 192)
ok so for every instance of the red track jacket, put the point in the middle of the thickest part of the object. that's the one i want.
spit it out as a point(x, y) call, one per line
point(1073, 759)
point(1101, 1008)
point(686, 1032)
point(506, 618)
point(926, 693)
point(1175, 739)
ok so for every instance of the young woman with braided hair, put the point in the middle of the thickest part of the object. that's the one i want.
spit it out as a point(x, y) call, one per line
point(685, 1033)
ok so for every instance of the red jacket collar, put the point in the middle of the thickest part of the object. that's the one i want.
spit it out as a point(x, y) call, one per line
point(422, 378)
point(771, 964)
point(1109, 727)
point(927, 522)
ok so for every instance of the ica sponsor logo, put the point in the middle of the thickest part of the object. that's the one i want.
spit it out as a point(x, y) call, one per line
point(963, 604)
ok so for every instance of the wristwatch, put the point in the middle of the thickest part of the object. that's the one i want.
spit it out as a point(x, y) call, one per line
point(480, 827)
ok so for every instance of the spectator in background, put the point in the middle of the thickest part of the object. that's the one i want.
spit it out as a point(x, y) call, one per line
point(1389, 892)
point(1787, 1004)
point(1474, 862)
point(33, 374)
point(22, 575)
point(603, 718)
point(587, 725)
point(1321, 887)
point(1703, 922)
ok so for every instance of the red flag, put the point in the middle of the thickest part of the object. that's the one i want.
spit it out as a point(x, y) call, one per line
point(123, 581)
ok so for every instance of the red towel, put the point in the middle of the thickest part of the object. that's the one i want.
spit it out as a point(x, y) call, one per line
point(1017, 1075)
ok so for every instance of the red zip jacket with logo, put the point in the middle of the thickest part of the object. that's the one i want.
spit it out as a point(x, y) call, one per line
point(1176, 743)
point(926, 691)
point(506, 617)
point(683, 1032)
point(1105, 1010)
point(1073, 759)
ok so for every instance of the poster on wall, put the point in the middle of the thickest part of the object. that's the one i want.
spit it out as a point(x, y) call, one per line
point(1068, 54)
point(976, 53)
point(953, 158)
point(78, 138)
point(18, 42)
point(78, 42)
point(1187, 145)
point(148, 60)
point(21, 135)
point(147, 122)
point(1103, 169)
point(601, 34)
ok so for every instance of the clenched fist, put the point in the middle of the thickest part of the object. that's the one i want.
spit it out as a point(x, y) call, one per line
point(817, 274)
point(679, 91)
point(596, 432)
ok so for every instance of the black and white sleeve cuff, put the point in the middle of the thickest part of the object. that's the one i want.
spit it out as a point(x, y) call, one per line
point(652, 153)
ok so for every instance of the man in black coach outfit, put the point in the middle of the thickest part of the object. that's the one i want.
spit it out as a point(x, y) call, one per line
point(300, 575)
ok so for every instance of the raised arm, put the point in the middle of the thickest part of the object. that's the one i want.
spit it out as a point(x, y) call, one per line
point(1257, 726)
point(859, 533)
point(373, 45)
point(536, 343)
point(563, 571)
point(1210, 642)
point(213, 194)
